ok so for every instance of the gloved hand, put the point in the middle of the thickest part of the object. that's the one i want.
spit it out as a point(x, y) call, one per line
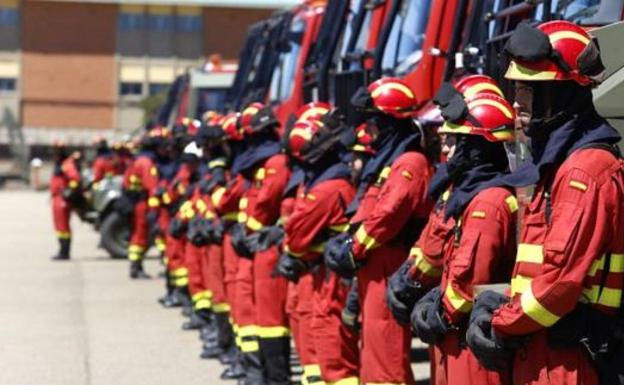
point(338, 256)
point(73, 196)
point(265, 238)
point(199, 230)
point(290, 267)
point(427, 319)
point(216, 235)
point(491, 351)
point(351, 309)
point(177, 228)
point(240, 242)
point(403, 292)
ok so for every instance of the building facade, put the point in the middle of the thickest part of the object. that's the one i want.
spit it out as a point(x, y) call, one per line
point(74, 69)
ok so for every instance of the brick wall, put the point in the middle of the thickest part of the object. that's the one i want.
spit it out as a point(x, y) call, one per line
point(225, 29)
point(68, 64)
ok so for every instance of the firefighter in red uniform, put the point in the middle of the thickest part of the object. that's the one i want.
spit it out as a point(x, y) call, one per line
point(65, 188)
point(567, 282)
point(259, 220)
point(392, 207)
point(104, 164)
point(320, 212)
point(140, 188)
point(482, 246)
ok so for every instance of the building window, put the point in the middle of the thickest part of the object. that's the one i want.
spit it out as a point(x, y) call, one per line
point(131, 89)
point(8, 84)
point(161, 23)
point(131, 21)
point(189, 23)
point(158, 88)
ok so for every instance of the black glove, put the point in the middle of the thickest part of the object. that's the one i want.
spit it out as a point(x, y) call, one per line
point(199, 231)
point(265, 238)
point(124, 205)
point(216, 235)
point(403, 292)
point(177, 228)
point(427, 319)
point(290, 267)
point(351, 309)
point(240, 242)
point(491, 351)
point(73, 196)
point(338, 256)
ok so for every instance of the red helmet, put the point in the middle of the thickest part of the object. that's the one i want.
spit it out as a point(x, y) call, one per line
point(489, 116)
point(315, 110)
point(301, 136)
point(471, 85)
point(230, 127)
point(364, 140)
point(211, 117)
point(567, 52)
point(393, 96)
point(246, 117)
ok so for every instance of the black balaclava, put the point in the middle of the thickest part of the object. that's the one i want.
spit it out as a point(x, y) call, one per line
point(472, 151)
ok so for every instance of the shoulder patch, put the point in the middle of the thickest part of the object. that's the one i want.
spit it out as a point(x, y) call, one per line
point(512, 203)
point(478, 214)
point(578, 185)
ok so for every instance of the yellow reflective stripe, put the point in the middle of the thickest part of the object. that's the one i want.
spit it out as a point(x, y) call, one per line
point(217, 195)
point(248, 339)
point(343, 228)
point(318, 248)
point(392, 86)
point(134, 257)
point(232, 216)
point(423, 265)
point(617, 263)
point(166, 198)
point(311, 370)
point(346, 381)
point(512, 203)
point(181, 189)
point(202, 294)
point(201, 206)
point(364, 239)
point(153, 202)
point(458, 302)
point(578, 185)
point(216, 163)
point(530, 253)
point(480, 87)
point(520, 284)
point(272, 331)
point(202, 304)
point(254, 224)
point(384, 174)
point(181, 281)
point(210, 215)
point(260, 174)
point(221, 307)
point(63, 235)
point(518, 72)
point(135, 252)
point(292, 253)
point(608, 297)
point(535, 310)
point(556, 36)
point(243, 203)
point(596, 266)
point(179, 272)
point(493, 103)
point(73, 184)
point(160, 244)
point(446, 195)
point(153, 171)
point(249, 346)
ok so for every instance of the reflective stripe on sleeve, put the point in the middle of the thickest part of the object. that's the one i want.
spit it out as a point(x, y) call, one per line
point(254, 224)
point(535, 310)
point(217, 195)
point(530, 253)
point(421, 263)
point(153, 202)
point(458, 302)
point(364, 239)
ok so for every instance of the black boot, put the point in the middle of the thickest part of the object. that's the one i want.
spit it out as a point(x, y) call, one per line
point(168, 290)
point(276, 359)
point(235, 370)
point(137, 272)
point(179, 297)
point(63, 253)
point(228, 356)
point(197, 320)
point(254, 370)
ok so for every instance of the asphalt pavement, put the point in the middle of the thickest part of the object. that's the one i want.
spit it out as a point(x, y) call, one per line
point(83, 321)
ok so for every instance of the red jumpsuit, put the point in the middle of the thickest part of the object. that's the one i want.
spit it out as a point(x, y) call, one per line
point(66, 176)
point(174, 247)
point(561, 260)
point(103, 166)
point(481, 251)
point(398, 197)
point(317, 213)
point(141, 179)
point(263, 209)
point(226, 202)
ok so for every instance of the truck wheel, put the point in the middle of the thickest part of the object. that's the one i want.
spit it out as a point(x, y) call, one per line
point(115, 233)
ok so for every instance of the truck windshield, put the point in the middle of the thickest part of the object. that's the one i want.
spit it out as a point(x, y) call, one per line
point(210, 99)
point(585, 12)
point(283, 80)
point(404, 47)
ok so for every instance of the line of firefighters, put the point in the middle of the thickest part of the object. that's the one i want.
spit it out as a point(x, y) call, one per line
point(348, 241)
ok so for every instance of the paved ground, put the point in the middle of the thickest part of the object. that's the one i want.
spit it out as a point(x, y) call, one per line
point(84, 322)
